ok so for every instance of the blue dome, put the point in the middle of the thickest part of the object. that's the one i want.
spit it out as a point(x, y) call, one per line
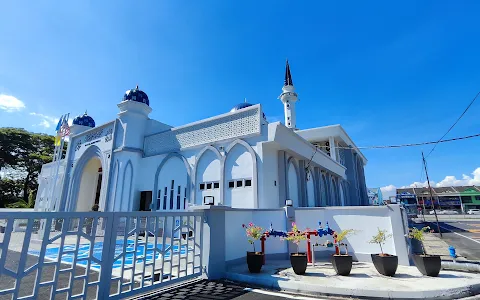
point(240, 106)
point(84, 120)
point(137, 96)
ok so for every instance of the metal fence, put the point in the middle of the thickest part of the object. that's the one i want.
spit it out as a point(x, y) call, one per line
point(96, 255)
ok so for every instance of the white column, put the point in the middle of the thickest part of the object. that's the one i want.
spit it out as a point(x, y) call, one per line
point(333, 148)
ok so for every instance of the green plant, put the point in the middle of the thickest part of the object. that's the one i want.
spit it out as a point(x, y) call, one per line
point(418, 234)
point(380, 238)
point(296, 236)
point(341, 236)
point(254, 233)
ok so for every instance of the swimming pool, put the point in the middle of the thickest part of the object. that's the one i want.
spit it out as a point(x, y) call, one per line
point(84, 251)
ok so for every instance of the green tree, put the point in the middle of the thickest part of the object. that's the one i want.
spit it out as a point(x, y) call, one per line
point(10, 191)
point(25, 153)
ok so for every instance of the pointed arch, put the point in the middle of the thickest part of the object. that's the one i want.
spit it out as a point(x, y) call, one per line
point(164, 176)
point(325, 190)
point(208, 170)
point(310, 188)
point(127, 186)
point(293, 181)
point(91, 152)
point(246, 169)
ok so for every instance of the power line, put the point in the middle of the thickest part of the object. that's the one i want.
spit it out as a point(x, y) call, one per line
point(412, 144)
point(451, 127)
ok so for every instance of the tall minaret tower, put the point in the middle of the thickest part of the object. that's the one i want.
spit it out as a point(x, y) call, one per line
point(289, 98)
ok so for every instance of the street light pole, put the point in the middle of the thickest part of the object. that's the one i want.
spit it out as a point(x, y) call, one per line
point(431, 194)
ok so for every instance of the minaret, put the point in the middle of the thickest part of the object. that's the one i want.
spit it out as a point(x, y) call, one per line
point(289, 98)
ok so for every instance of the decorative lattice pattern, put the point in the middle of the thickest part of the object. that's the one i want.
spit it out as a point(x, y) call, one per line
point(245, 122)
point(96, 255)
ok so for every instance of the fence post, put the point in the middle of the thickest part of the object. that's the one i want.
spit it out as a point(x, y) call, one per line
point(213, 244)
point(108, 253)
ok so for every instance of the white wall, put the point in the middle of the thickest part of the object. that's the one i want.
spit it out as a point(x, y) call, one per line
point(88, 185)
point(236, 242)
point(208, 170)
point(268, 186)
point(239, 166)
point(365, 220)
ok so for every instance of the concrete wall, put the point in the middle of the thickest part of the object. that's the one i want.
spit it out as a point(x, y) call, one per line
point(225, 242)
point(236, 244)
point(366, 221)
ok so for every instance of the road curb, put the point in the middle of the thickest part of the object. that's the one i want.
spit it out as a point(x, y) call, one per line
point(293, 286)
point(465, 267)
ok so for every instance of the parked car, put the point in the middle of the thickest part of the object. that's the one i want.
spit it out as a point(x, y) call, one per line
point(473, 211)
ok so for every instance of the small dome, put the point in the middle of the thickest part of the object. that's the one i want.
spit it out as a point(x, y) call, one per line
point(240, 106)
point(84, 120)
point(137, 96)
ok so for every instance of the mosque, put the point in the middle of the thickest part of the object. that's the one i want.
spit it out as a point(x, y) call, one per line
point(236, 159)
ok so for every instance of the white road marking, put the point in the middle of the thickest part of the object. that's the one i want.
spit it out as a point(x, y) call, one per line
point(460, 235)
point(280, 294)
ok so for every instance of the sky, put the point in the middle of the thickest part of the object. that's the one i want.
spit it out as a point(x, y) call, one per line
point(389, 73)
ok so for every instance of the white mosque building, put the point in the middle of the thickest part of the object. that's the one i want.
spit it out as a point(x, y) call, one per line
point(235, 159)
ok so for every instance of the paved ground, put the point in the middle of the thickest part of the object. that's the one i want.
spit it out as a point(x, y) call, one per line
point(219, 290)
point(464, 235)
point(364, 281)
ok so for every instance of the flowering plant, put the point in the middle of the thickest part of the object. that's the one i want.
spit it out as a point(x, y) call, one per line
point(296, 236)
point(254, 233)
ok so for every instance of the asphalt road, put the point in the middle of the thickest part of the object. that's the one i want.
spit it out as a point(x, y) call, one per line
point(464, 236)
point(219, 290)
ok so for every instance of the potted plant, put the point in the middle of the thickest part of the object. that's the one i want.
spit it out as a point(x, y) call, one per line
point(428, 265)
point(386, 264)
point(297, 260)
point(254, 259)
point(342, 263)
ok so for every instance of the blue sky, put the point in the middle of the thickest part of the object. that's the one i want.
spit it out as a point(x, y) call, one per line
point(389, 73)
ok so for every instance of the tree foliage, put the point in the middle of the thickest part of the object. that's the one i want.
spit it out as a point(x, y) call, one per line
point(23, 152)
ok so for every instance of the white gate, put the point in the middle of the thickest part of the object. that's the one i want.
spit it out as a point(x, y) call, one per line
point(96, 255)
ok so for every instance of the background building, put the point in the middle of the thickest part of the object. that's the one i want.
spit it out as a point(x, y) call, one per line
point(458, 198)
point(375, 196)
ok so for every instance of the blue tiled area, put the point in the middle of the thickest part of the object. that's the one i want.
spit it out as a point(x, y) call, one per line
point(143, 250)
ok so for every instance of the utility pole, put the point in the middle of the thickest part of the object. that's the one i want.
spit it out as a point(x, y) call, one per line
point(431, 194)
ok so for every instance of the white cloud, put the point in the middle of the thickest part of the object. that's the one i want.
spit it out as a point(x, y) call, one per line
point(466, 179)
point(46, 121)
point(387, 191)
point(10, 103)
point(449, 180)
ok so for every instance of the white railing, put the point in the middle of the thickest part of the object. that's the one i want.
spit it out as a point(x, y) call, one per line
point(96, 255)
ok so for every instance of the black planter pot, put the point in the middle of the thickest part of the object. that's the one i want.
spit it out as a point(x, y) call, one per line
point(299, 263)
point(255, 261)
point(385, 265)
point(342, 264)
point(428, 265)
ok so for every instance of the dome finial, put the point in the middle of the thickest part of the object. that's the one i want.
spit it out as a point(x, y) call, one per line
point(136, 87)
point(85, 113)
point(245, 100)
